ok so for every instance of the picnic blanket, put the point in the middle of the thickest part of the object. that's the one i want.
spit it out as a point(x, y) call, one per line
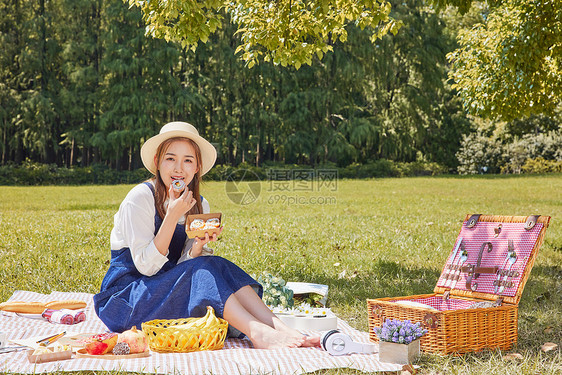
point(237, 356)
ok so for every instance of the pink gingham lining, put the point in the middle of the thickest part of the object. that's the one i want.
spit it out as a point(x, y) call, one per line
point(237, 356)
point(473, 238)
point(441, 304)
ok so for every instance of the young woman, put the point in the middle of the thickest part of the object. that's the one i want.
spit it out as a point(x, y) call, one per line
point(157, 273)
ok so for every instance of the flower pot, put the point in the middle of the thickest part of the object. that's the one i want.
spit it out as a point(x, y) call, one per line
point(403, 354)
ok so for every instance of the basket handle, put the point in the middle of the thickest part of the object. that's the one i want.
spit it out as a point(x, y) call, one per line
point(378, 312)
point(531, 221)
point(430, 321)
point(473, 220)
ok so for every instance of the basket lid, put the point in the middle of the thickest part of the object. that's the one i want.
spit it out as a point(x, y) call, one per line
point(492, 257)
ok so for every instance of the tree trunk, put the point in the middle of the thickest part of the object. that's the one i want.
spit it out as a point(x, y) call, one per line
point(71, 153)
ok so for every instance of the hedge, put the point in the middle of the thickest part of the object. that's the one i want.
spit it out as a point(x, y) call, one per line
point(28, 173)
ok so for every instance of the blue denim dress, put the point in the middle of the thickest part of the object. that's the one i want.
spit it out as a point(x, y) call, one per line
point(128, 298)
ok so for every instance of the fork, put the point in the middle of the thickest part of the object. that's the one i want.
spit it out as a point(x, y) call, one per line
point(511, 259)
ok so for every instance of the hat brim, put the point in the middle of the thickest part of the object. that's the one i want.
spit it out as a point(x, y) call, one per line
point(149, 148)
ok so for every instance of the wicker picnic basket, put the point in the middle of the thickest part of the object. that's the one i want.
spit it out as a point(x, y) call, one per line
point(474, 305)
point(169, 336)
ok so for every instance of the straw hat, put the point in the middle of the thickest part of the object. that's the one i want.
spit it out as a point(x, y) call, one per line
point(178, 129)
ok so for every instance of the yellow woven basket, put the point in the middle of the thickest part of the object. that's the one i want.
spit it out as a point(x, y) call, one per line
point(165, 336)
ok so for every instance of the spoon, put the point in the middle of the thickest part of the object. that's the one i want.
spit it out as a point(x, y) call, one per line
point(512, 258)
point(504, 264)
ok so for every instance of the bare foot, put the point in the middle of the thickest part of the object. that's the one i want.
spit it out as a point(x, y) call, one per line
point(311, 341)
point(266, 337)
point(308, 341)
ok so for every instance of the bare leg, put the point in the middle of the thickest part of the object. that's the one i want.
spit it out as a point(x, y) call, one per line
point(262, 335)
point(248, 298)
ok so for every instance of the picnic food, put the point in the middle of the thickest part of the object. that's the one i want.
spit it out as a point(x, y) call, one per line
point(212, 223)
point(101, 344)
point(58, 316)
point(206, 321)
point(23, 307)
point(48, 354)
point(197, 224)
point(187, 335)
point(35, 307)
point(69, 304)
point(136, 340)
point(64, 316)
point(121, 348)
point(41, 350)
point(54, 349)
point(178, 185)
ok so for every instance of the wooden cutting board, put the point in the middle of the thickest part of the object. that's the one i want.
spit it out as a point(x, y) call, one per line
point(82, 353)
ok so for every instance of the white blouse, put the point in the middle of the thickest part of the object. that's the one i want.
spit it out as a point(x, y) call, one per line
point(133, 227)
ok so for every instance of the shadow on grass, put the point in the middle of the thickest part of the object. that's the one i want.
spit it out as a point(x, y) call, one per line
point(543, 291)
point(543, 286)
point(384, 279)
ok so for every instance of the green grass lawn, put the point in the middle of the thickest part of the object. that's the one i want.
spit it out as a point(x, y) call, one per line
point(363, 238)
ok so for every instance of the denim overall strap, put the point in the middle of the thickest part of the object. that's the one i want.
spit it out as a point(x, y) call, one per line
point(178, 239)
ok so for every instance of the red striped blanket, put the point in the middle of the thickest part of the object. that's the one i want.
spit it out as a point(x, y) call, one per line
point(237, 356)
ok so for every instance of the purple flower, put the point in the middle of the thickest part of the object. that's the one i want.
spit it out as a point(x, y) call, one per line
point(394, 330)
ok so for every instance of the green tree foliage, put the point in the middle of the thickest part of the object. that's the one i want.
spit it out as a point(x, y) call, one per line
point(286, 32)
point(138, 88)
point(102, 87)
point(39, 83)
point(11, 15)
point(81, 56)
point(357, 104)
point(510, 66)
point(419, 118)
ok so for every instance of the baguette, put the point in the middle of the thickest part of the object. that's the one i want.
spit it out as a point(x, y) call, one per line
point(72, 304)
point(23, 307)
point(38, 307)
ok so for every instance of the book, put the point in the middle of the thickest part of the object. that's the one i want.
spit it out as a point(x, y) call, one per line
point(310, 292)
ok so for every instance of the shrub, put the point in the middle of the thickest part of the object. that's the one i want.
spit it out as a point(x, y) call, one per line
point(378, 168)
point(29, 173)
point(421, 168)
point(545, 146)
point(540, 165)
point(479, 154)
point(49, 174)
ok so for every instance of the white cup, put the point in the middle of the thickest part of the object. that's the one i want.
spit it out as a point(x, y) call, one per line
point(2, 339)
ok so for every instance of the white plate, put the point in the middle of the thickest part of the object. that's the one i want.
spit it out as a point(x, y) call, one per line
point(31, 316)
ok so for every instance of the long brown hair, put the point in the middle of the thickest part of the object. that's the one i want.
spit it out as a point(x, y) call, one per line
point(161, 190)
